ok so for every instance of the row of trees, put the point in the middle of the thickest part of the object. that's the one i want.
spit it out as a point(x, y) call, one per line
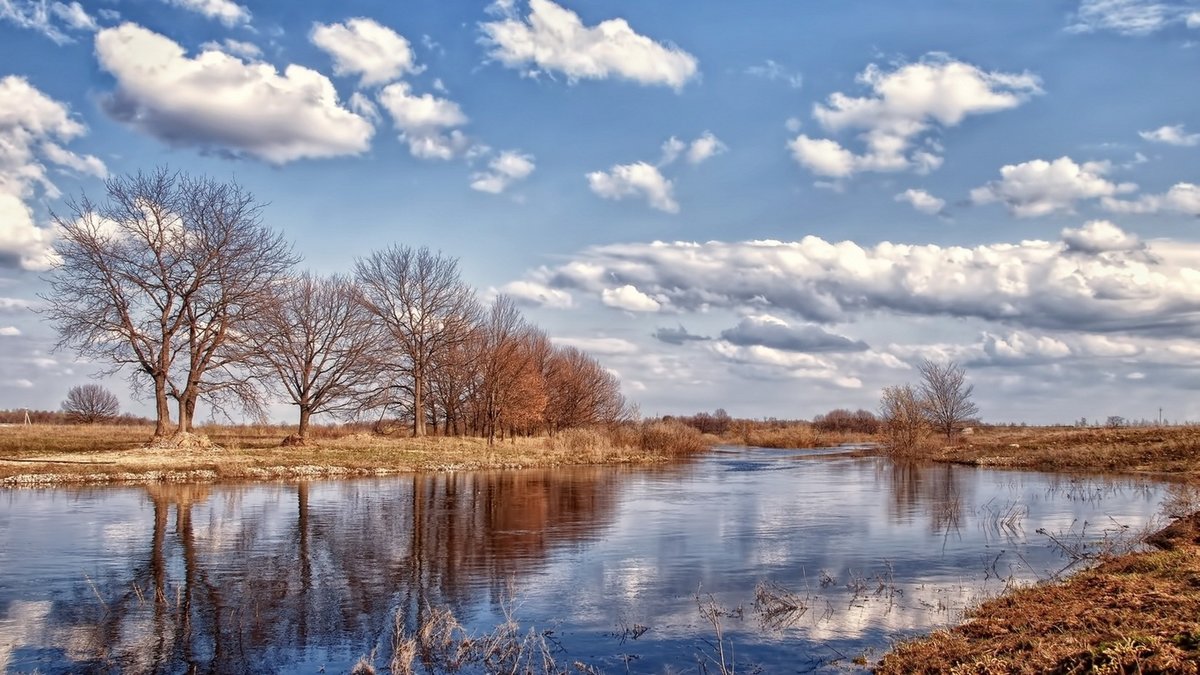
point(940, 402)
point(175, 281)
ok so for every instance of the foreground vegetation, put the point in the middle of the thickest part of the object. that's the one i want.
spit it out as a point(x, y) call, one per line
point(1137, 613)
point(41, 454)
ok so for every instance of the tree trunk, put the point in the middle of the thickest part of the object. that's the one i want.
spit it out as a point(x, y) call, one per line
point(305, 414)
point(418, 403)
point(162, 412)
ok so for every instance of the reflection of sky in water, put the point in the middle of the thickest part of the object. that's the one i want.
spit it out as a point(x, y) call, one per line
point(304, 576)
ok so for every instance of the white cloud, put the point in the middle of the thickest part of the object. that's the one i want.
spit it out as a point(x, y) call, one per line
point(1034, 284)
point(759, 362)
point(772, 70)
point(13, 305)
point(905, 105)
point(32, 128)
point(245, 50)
point(1171, 135)
point(1039, 188)
point(637, 179)
point(793, 124)
point(1129, 17)
point(19, 383)
point(823, 156)
point(363, 47)
point(535, 294)
point(9, 331)
point(922, 201)
point(504, 169)
point(707, 145)
point(74, 15)
point(553, 39)
point(604, 346)
point(227, 12)
point(1193, 20)
point(217, 101)
point(629, 298)
point(425, 122)
point(1181, 198)
point(49, 19)
point(1100, 236)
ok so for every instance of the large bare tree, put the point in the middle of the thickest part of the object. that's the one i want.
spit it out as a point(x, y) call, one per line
point(160, 280)
point(90, 403)
point(512, 390)
point(946, 396)
point(420, 299)
point(581, 391)
point(317, 345)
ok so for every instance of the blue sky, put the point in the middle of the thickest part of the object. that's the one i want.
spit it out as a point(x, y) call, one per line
point(774, 207)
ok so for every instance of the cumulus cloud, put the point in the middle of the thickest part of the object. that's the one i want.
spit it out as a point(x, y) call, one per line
point(1039, 188)
point(218, 101)
point(759, 362)
point(425, 122)
point(1171, 135)
point(773, 71)
point(1135, 18)
point(13, 305)
point(504, 169)
point(363, 47)
point(245, 50)
point(629, 298)
point(1100, 236)
point(553, 39)
point(903, 106)
point(1031, 284)
point(49, 19)
point(765, 330)
point(1180, 198)
point(9, 331)
point(677, 336)
point(227, 12)
point(635, 180)
point(535, 294)
point(922, 201)
point(702, 148)
point(604, 346)
point(33, 128)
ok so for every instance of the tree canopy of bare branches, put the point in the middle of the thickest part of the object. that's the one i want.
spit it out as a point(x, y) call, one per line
point(945, 396)
point(161, 280)
point(902, 415)
point(317, 345)
point(426, 309)
point(90, 403)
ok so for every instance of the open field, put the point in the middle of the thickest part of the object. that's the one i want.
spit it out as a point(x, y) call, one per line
point(1139, 612)
point(1155, 450)
point(46, 454)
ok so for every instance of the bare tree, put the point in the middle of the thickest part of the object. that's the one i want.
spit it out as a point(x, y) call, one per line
point(317, 344)
point(90, 403)
point(903, 417)
point(160, 279)
point(426, 309)
point(512, 390)
point(946, 396)
point(581, 391)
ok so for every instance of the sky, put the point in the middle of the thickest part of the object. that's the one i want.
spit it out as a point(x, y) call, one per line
point(773, 207)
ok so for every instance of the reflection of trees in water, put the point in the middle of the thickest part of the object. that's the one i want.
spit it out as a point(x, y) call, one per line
point(938, 490)
point(252, 585)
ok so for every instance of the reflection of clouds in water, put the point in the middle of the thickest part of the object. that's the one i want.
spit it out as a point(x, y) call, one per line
point(23, 625)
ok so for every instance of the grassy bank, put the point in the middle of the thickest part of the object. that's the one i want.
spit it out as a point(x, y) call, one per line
point(48, 454)
point(1136, 613)
point(1159, 450)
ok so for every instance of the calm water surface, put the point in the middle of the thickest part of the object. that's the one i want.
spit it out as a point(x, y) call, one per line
point(307, 577)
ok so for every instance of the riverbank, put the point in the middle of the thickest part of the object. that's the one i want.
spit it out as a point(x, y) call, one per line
point(1138, 612)
point(1168, 451)
point(51, 455)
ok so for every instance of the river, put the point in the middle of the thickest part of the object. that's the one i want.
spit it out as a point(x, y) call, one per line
point(613, 565)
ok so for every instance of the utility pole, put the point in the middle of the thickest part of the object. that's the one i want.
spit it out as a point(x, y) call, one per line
point(1160, 416)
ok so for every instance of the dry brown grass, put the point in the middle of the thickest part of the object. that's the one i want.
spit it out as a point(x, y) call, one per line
point(1135, 613)
point(1167, 450)
point(40, 455)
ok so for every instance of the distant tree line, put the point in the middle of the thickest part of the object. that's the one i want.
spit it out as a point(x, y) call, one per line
point(176, 282)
